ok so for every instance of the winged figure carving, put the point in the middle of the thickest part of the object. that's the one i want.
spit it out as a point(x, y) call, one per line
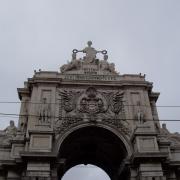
point(68, 100)
point(117, 102)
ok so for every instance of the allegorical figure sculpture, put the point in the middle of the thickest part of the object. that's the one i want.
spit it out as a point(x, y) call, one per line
point(8, 133)
point(74, 64)
point(164, 129)
point(90, 53)
point(11, 130)
point(173, 138)
point(44, 112)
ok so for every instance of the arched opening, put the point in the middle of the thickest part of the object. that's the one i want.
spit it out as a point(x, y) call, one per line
point(97, 146)
point(88, 172)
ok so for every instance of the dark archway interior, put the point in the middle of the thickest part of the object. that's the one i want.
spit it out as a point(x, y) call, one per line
point(94, 145)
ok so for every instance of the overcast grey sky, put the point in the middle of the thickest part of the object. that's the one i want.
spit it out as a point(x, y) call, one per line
point(85, 172)
point(140, 36)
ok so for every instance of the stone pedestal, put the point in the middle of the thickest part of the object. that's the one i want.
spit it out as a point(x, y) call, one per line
point(37, 169)
point(151, 171)
point(41, 141)
point(144, 139)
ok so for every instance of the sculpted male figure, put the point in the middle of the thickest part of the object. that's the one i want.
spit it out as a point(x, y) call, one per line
point(44, 114)
point(140, 114)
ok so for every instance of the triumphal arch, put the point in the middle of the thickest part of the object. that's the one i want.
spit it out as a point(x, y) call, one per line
point(88, 114)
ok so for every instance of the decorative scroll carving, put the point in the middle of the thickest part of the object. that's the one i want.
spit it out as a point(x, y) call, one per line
point(119, 124)
point(91, 106)
point(68, 122)
point(68, 100)
point(67, 109)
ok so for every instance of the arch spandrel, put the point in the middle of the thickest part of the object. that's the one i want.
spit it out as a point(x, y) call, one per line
point(90, 106)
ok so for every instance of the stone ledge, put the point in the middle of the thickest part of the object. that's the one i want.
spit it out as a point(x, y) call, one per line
point(174, 163)
point(38, 155)
point(145, 157)
point(47, 131)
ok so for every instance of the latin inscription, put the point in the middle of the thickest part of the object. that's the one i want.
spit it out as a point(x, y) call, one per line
point(91, 77)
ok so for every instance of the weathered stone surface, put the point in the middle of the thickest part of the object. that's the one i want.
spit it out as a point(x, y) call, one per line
point(88, 113)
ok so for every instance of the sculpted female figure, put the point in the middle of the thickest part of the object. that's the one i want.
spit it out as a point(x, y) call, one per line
point(90, 53)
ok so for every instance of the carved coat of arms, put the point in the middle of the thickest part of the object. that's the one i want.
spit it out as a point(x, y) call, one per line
point(90, 102)
point(79, 106)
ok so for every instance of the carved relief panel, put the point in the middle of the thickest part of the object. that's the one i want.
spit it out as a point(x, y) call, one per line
point(138, 108)
point(44, 108)
point(90, 105)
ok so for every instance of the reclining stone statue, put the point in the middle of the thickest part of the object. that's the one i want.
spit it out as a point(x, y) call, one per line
point(8, 133)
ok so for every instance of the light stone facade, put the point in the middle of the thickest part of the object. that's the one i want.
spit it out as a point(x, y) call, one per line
point(88, 113)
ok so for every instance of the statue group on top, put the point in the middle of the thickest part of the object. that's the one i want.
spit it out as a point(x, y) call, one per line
point(89, 59)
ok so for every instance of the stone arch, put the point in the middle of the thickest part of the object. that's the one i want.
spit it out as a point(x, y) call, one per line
point(118, 149)
point(120, 135)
